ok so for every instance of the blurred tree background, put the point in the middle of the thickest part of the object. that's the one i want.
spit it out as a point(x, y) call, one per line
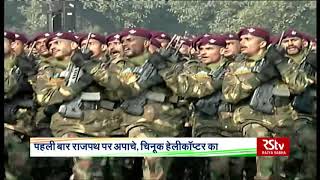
point(195, 17)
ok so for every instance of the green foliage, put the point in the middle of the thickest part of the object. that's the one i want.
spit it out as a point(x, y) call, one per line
point(36, 20)
point(107, 16)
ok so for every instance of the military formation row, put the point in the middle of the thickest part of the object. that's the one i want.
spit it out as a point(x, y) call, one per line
point(142, 83)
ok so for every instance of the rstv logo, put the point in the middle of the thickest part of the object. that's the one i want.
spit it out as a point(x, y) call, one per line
point(273, 146)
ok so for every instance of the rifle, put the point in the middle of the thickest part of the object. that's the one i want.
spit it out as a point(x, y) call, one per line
point(262, 98)
point(72, 75)
point(32, 47)
point(210, 104)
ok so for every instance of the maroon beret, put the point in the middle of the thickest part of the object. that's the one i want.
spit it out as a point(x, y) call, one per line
point(218, 40)
point(187, 42)
point(160, 35)
point(307, 37)
point(95, 36)
point(9, 35)
point(113, 37)
point(42, 35)
point(155, 42)
point(292, 33)
point(21, 37)
point(141, 32)
point(274, 39)
point(255, 31)
point(195, 41)
point(62, 35)
point(231, 36)
point(78, 36)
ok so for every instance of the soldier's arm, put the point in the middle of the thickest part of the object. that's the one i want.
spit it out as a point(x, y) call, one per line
point(294, 77)
point(11, 85)
point(50, 90)
point(238, 84)
point(187, 84)
point(116, 79)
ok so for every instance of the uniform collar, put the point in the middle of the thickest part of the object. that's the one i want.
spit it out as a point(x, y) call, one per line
point(139, 60)
point(258, 57)
point(59, 64)
point(214, 66)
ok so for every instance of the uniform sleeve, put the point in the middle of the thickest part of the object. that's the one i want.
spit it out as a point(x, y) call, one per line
point(50, 90)
point(238, 83)
point(186, 83)
point(296, 79)
point(123, 81)
point(11, 85)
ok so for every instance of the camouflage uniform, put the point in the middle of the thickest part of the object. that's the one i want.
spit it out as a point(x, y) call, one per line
point(18, 126)
point(165, 121)
point(300, 76)
point(237, 87)
point(197, 80)
point(51, 91)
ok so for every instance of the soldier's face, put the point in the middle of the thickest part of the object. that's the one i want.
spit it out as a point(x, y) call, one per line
point(184, 50)
point(314, 45)
point(133, 45)
point(94, 45)
point(41, 47)
point(292, 45)
point(251, 45)
point(193, 51)
point(60, 48)
point(115, 49)
point(210, 53)
point(7, 46)
point(232, 48)
point(18, 47)
point(163, 42)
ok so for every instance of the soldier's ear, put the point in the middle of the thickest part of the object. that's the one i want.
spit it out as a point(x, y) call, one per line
point(146, 44)
point(222, 51)
point(104, 47)
point(263, 44)
point(74, 45)
point(304, 43)
point(13, 44)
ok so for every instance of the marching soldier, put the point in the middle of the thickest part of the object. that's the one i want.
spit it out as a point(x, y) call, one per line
point(96, 45)
point(154, 46)
point(298, 71)
point(202, 80)
point(143, 116)
point(41, 49)
point(18, 113)
point(161, 37)
point(232, 48)
point(52, 91)
point(249, 84)
point(20, 44)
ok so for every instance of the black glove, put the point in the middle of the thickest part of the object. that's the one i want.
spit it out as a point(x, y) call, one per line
point(275, 54)
point(312, 60)
point(51, 109)
point(27, 65)
point(10, 113)
point(80, 59)
point(158, 61)
point(84, 81)
point(166, 53)
point(268, 72)
point(169, 55)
